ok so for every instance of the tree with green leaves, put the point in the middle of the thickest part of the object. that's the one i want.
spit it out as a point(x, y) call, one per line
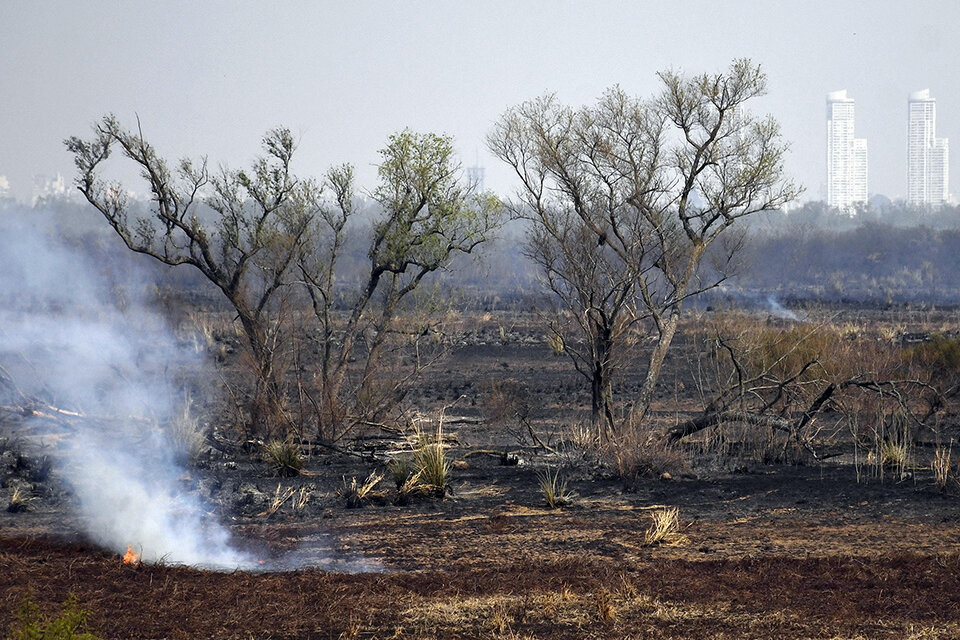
point(261, 236)
point(427, 215)
point(624, 197)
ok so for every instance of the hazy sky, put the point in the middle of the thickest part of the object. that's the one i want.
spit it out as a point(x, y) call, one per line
point(211, 77)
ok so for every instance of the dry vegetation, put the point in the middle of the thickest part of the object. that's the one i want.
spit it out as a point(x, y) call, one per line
point(736, 475)
point(902, 596)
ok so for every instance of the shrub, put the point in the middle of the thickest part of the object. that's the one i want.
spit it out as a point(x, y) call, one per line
point(633, 457)
point(940, 354)
point(31, 624)
point(284, 456)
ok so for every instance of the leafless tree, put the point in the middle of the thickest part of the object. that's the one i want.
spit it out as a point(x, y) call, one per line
point(247, 247)
point(624, 197)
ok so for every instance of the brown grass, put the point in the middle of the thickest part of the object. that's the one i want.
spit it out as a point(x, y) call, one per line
point(576, 597)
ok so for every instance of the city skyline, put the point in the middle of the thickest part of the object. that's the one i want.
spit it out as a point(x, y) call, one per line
point(348, 76)
point(847, 168)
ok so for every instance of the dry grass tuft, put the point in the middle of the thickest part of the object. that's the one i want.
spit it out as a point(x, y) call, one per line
point(185, 431)
point(300, 500)
point(941, 466)
point(356, 494)
point(280, 496)
point(553, 488)
point(555, 342)
point(664, 529)
point(20, 500)
point(605, 609)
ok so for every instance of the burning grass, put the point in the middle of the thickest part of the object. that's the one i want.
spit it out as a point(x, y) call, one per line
point(574, 597)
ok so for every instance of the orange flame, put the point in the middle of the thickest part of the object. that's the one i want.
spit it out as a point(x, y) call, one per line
point(130, 557)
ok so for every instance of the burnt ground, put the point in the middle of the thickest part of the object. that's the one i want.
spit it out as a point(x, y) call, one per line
point(804, 551)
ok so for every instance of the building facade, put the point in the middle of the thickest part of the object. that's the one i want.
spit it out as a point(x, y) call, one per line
point(927, 155)
point(846, 155)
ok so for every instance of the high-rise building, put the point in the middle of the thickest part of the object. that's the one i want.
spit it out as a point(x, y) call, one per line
point(846, 155)
point(927, 155)
point(475, 176)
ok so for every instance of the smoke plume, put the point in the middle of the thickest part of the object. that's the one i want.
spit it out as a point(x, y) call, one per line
point(87, 344)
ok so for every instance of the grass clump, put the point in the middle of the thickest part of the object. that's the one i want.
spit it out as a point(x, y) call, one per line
point(664, 529)
point(30, 623)
point(400, 469)
point(941, 466)
point(893, 453)
point(284, 456)
point(430, 462)
point(20, 500)
point(185, 431)
point(433, 467)
point(357, 493)
point(553, 488)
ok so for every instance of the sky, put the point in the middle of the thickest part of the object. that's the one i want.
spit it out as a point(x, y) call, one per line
point(209, 78)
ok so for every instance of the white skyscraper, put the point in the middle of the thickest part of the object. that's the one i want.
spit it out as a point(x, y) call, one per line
point(846, 155)
point(927, 155)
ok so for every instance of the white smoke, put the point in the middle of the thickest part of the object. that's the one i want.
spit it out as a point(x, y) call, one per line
point(777, 310)
point(94, 347)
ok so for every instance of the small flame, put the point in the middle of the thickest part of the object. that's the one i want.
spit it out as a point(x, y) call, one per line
point(130, 557)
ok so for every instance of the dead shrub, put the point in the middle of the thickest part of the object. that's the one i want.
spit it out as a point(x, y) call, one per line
point(636, 455)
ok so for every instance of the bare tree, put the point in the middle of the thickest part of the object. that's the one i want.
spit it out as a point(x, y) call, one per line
point(624, 198)
point(427, 215)
point(247, 247)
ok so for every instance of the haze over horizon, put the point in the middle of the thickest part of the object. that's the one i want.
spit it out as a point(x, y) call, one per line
point(210, 79)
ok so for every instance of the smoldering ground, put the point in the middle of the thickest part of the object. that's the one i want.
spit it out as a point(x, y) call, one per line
point(89, 344)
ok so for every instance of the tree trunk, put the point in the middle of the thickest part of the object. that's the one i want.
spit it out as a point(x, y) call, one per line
point(601, 383)
point(649, 388)
point(266, 405)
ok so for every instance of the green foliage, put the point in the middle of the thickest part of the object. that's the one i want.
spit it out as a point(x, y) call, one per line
point(430, 214)
point(433, 467)
point(30, 623)
point(400, 469)
point(284, 456)
point(553, 488)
